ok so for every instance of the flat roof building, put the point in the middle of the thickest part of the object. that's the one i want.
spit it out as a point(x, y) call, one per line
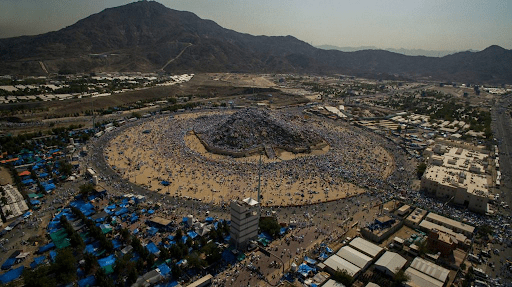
point(414, 219)
point(454, 225)
point(459, 174)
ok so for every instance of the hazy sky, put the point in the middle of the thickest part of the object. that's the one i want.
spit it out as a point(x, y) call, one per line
point(410, 24)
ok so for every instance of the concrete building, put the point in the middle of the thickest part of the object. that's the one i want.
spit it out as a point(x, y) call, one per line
point(439, 241)
point(459, 175)
point(404, 210)
point(414, 219)
point(456, 226)
point(244, 222)
point(381, 228)
point(461, 240)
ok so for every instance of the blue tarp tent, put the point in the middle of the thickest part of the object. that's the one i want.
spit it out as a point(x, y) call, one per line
point(184, 239)
point(11, 275)
point(135, 231)
point(35, 202)
point(283, 230)
point(8, 263)
point(87, 281)
point(45, 248)
point(309, 260)
point(323, 256)
point(304, 269)
point(151, 211)
point(192, 234)
point(164, 269)
point(49, 187)
point(27, 181)
point(152, 231)
point(329, 250)
point(43, 175)
point(116, 244)
point(107, 261)
point(37, 261)
point(209, 219)
point(53, 254)
point(228, 256)
point(151, 247)
point(265, 235)
point(121, 211)
point(168, 284)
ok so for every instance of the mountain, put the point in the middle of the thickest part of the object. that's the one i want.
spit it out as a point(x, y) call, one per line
point(147, 36)
point(403, 51)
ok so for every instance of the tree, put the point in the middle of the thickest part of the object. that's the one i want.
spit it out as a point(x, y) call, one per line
point(38, 277)
point(423, 247)
point(86, 190)
point(65, 168)
point(400, 278)
point(90, 262)
point(420, 170)
point(342, 277)
point(65, 266)
point(485, 230)
point(102, 279)
point(270, 226)
point(176, 272)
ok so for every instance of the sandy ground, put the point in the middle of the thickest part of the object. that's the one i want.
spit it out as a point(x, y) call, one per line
point(5, 176)
point(147, 155)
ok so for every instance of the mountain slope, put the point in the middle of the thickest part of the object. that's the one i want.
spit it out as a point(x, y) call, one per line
point(147, 36)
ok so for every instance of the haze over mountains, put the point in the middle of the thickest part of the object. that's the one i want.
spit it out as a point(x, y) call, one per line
point(407, 52)
point(148, 37)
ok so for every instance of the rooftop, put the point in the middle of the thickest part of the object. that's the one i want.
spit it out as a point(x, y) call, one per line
point(473, 183)
point(450, 222)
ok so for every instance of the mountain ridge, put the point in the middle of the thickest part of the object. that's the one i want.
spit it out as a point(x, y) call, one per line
point(403, 51)
point(144, 36)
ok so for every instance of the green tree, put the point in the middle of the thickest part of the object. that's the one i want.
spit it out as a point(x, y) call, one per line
point(38, 277)
point(400, 278)
point(342, 277)
point(65, 266)
point(90, 262)
point(270, 225)
point(86, 190)
point(65, 168)
point(102, 279)
point(420, 170)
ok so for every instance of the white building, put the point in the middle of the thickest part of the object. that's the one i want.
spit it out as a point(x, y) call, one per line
point(244, 222)
point(458, 174)
point(425, 273)
point(390, 262)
